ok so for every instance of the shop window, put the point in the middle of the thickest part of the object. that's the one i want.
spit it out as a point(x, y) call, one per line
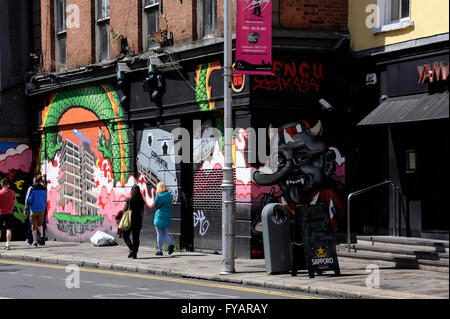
point(102, 29)
point(393, 15)
point(150, 21)
point(61, 34)
point(207, 17)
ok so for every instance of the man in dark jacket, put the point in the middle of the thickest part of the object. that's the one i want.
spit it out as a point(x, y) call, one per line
point(37, 203)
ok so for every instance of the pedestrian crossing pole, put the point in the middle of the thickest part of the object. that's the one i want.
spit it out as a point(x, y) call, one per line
point(228, 188)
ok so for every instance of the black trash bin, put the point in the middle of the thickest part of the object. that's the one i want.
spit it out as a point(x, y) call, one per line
point(276, 238)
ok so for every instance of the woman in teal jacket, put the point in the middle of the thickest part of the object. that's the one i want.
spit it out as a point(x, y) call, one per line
point(163, 217)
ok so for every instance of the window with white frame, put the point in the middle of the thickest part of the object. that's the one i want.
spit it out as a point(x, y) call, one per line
point(393, 15)
point(397, 10)
point(102, 17)
point(207, 17)
point(150, 21)
point(61, 33)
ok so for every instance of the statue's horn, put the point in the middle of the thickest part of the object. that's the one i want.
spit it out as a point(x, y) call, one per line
point(317, 129)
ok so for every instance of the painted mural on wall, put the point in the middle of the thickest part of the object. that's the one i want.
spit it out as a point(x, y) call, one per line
point(155, 161)
point(15, 165)
point(207, 195)
point(85, 157)
point(308, 172)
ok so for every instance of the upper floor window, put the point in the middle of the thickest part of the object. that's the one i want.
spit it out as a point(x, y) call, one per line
point(150, 22)
point(397, 10)
point(207, 17)
point(102, 33)
point(393, 15)
point(61, 33)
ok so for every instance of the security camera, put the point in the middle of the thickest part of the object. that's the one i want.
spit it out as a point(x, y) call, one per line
point(325, 105)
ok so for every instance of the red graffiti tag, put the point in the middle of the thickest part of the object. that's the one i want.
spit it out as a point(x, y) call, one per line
point(291, 76)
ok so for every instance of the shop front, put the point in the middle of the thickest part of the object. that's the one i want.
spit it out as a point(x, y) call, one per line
point(411, 127)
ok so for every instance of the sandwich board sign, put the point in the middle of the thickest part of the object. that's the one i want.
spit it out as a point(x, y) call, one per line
point(318, 240)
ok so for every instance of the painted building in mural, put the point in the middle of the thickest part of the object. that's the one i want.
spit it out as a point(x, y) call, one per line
point(84, 155)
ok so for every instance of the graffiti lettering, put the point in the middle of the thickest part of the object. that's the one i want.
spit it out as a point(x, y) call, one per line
point(200, 219)
point(19, 184)
point(292, 77)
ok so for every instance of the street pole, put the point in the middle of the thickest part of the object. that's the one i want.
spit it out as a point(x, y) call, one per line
point(228, 182)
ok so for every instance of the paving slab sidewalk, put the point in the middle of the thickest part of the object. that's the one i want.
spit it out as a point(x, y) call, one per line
point(394, 283)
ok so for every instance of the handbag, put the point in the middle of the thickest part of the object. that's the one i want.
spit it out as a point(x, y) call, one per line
point(125, 221)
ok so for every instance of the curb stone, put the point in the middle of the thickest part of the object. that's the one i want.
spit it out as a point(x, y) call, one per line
point(335, 290)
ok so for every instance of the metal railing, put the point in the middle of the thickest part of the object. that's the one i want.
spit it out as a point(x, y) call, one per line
point(396, 190)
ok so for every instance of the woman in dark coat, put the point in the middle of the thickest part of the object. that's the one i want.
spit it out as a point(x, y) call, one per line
point(136, 203)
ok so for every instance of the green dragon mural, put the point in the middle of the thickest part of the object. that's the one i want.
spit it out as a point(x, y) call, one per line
point(104, 103)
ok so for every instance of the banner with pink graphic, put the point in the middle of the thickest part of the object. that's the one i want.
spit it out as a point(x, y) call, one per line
point(254, 37)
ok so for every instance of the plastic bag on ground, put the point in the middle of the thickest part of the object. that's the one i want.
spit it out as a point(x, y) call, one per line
point(103, 239)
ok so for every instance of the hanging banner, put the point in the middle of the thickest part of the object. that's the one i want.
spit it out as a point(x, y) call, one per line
point(254, 37)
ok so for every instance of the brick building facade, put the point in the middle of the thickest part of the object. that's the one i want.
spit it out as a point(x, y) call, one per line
point(102, 96)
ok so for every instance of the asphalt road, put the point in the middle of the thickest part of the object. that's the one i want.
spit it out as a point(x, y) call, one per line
point(31, 280)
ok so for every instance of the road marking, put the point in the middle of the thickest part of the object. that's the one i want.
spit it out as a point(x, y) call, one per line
point(177, 280)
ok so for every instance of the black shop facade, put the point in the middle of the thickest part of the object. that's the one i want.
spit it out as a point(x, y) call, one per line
point(404, 139)
point(304, 100)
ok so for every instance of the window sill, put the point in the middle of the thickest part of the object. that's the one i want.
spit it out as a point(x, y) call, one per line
point(393, 26)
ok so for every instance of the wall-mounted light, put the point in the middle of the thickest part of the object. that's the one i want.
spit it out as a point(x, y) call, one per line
point(411, 161)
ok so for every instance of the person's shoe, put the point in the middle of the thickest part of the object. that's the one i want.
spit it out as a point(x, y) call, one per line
point(131, 254)
point(8, 247)
point(159, 253)
point(135, 256)
point(34, 245)
point(42, 241)
point(171, 247)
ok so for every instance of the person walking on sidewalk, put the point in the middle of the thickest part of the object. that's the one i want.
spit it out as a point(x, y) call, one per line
point(7, 199)
point(29, 234)
point(37, 203)
point(136, 204)
point(163, 217)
